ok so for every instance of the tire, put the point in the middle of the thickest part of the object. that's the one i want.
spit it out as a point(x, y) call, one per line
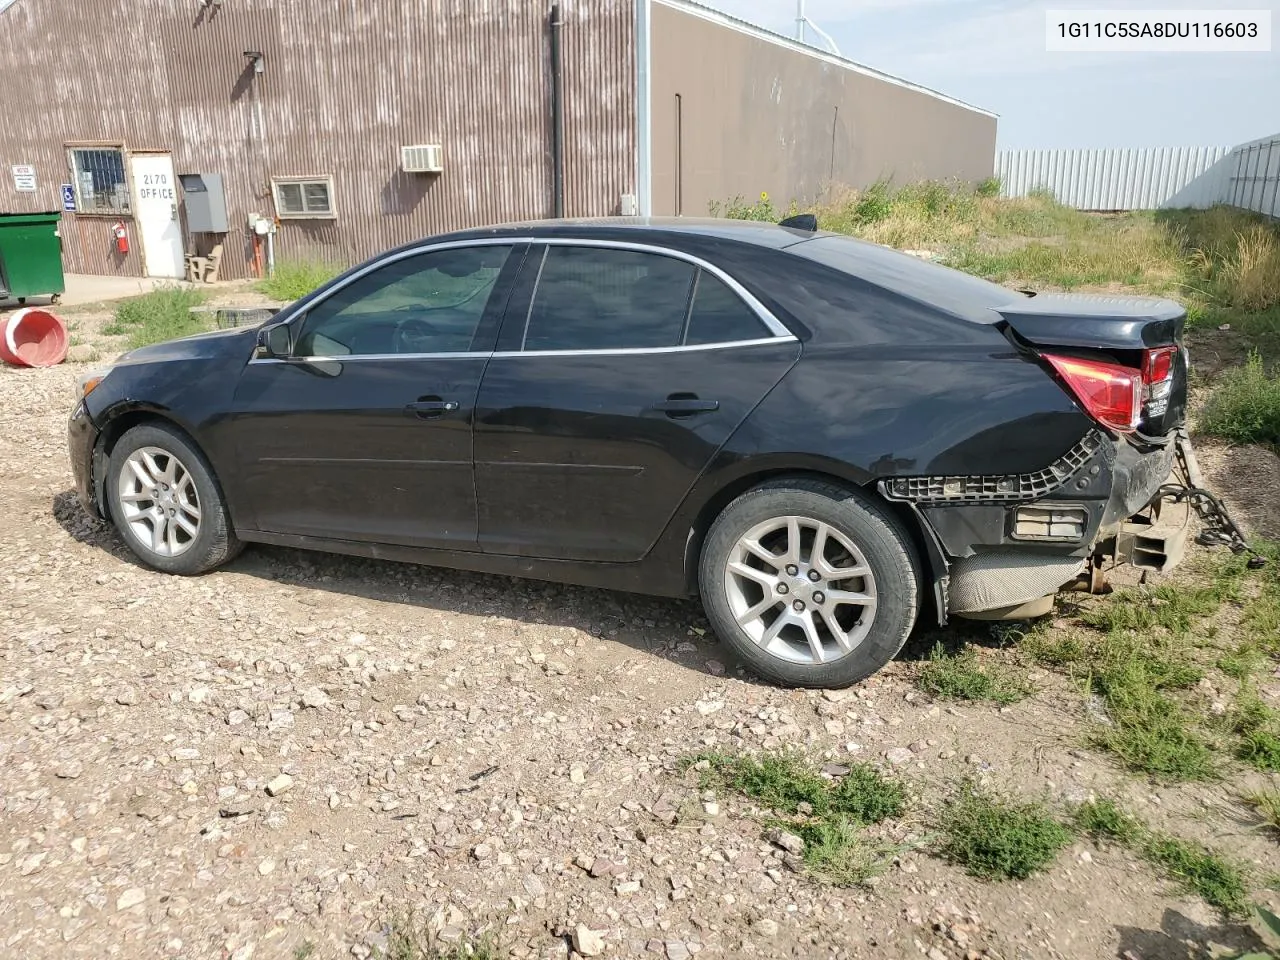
point(873, 611)
point(192, 504)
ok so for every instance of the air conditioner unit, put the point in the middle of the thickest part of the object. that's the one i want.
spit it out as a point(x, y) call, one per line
point(422, 158)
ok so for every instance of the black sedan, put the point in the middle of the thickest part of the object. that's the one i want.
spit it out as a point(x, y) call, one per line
point(821, 437)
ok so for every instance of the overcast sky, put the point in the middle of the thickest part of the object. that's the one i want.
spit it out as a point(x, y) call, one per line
point(991, 53)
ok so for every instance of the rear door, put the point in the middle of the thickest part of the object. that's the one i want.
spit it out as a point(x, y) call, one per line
point(620, 371)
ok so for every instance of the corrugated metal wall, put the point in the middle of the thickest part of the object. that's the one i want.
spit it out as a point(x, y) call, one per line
point(346, 82)
point(1254, 178)
point(1128, 179)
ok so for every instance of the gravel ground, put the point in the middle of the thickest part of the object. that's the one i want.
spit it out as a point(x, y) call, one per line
point(299, 748)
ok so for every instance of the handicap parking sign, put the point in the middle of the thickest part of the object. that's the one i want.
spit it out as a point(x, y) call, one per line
point(68, 198)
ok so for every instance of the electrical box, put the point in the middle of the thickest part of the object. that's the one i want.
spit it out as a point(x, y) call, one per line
point(422, 158)
point(206, 203)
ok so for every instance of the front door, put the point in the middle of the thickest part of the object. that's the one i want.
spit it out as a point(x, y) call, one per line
point(364, 432)
point(612, 389)
point(156, 215)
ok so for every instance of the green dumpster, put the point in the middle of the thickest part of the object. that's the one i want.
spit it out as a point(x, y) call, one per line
point(30, 255)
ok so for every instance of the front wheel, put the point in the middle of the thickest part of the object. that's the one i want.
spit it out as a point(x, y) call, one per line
point(166, 503)
point(811, 585)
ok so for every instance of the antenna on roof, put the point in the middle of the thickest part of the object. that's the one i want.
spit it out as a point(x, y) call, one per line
point(802, 21)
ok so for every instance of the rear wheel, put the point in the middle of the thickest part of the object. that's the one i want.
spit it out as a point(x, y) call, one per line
point(166, 503)
point(810, 584)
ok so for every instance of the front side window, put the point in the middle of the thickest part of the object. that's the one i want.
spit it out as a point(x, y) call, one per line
point(426, 303)
point(99, 180)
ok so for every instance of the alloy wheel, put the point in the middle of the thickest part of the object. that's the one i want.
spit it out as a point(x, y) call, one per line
point(159, 501)
point(800, 589)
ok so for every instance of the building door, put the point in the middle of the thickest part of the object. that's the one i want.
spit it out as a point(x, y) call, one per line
point(156, 195)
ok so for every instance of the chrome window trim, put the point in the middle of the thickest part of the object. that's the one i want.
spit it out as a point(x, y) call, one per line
point(772, 323)
point(627, 351)
point(462, 355)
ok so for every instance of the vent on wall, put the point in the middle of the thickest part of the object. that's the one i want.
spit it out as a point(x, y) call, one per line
point(423, 158)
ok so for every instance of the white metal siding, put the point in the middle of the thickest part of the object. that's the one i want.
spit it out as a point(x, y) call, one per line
point(1127, 179)
point(1253, 180)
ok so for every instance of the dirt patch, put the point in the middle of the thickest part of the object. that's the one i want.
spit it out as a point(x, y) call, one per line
point(1248, 479)
point(470, 747)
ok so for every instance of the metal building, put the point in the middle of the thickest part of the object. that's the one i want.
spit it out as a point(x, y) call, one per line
point(354, 125)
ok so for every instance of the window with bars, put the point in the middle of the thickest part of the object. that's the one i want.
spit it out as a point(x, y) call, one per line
point(303, 197)
point(99, 179)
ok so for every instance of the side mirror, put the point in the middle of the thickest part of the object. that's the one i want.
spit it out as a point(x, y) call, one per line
point(275, 341)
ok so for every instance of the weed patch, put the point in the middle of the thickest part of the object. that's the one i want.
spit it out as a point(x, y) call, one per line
point(408, 939)
point(787, 784)
point(1151, 732)
point(1218, 881)
point(837, 850)
point(163, 314)
point(294, 279)
point(960, 676)
point(999, 839)
point(1266, 804)
point(1245, 405)
point(1104, 818)
point(828, 815)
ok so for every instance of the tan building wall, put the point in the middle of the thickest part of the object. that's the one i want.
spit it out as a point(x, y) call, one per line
point(346, 82)
point(760, 114)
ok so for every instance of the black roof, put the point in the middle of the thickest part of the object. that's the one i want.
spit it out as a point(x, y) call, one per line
point(644, 228)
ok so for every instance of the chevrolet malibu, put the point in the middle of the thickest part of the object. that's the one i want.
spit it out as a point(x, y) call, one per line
point(821, 438)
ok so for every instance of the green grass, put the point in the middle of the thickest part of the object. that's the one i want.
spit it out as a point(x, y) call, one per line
point(829, 815)
point(1245, 406)
point(1170, 607)
point(1216, 879)
point(1258, 727)
point(162, 314)
point(782, 782)
point(837, 850)
point(1266, 804)
point(294, 279)
point(960, 676)
point(407, 939)
point(1000, 839)
point(304, 950)
point(1105, 818)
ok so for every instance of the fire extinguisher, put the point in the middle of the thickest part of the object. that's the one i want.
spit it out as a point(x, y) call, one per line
point(121, 235)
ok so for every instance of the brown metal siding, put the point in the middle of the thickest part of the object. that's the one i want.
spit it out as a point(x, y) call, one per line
point(757, 116)
point(346, 83)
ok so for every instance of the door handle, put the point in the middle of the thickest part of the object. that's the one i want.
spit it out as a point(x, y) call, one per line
point(680, 405)
point(429, 408)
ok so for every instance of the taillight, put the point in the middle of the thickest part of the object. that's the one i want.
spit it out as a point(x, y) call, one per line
point(1157, 365)
point(1110, 393)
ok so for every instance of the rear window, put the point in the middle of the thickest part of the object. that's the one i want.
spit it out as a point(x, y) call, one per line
point(951, 290)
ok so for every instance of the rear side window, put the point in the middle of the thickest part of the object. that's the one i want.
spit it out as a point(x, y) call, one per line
point(720, 316)
point(594, 298)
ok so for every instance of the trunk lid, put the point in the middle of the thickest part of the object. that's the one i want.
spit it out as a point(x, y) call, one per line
point(1128, 331)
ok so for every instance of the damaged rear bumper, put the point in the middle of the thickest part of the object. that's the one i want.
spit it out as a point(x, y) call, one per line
point(1003, 546)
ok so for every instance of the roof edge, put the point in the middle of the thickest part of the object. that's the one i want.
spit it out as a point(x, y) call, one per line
point(769, 36)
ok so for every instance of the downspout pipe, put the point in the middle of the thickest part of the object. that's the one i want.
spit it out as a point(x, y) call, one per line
point(557, 115)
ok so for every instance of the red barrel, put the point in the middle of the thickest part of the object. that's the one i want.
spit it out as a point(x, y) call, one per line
point(32, 338)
